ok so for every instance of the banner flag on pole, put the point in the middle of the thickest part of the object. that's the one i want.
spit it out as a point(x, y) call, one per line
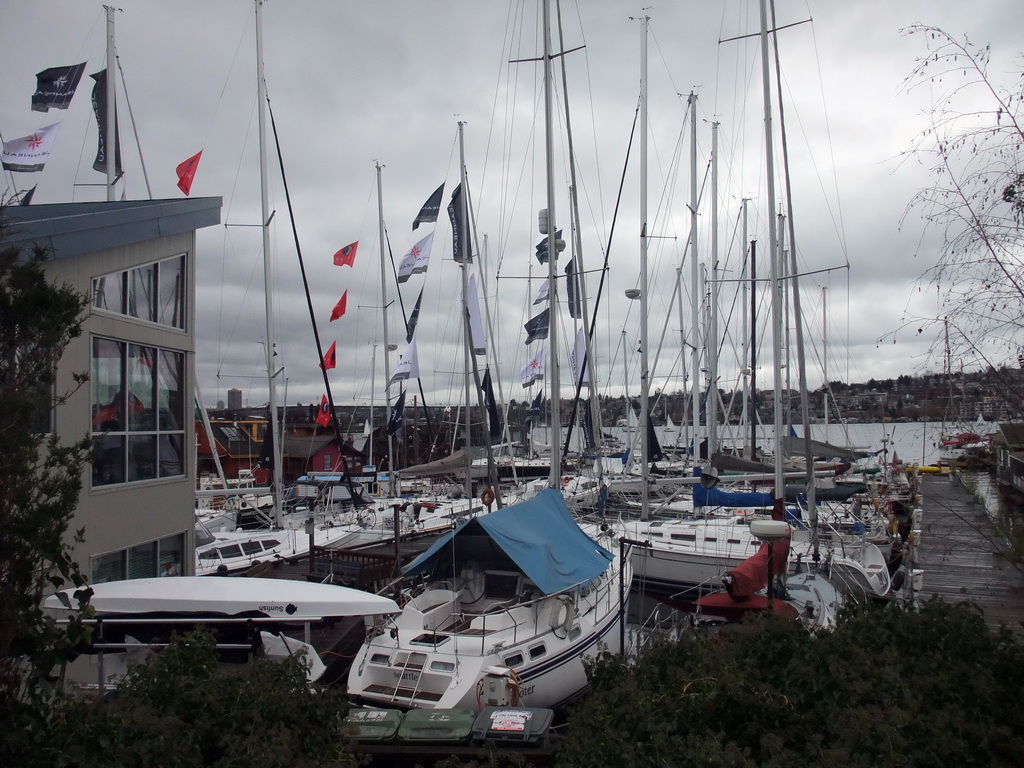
point(29, 153)
point(99, 106)
point(187, 172)
point(415, 262)
point(579, 353)
point(323, 416)
point(493, 417)
point(476, 326)
point(26, 197)
point(533, 371)
point(428, 213)
point(408, 366)
point(397, 417)
point(56, 86)
point(346, 257)
point(331, 358)
point(542, 292)
point(410, 327)
point(460, 227)
point(537, 327)
point(572, 289)
point(339, 308)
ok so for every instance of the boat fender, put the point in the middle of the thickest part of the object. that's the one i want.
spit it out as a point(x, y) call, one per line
point(487, 496)
point(563, 613)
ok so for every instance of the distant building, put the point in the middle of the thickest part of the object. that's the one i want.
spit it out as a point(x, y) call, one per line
point(234, 399)
point(136, 261)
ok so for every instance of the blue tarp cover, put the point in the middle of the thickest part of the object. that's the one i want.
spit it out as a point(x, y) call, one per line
point(714, 497)
point(538, 535)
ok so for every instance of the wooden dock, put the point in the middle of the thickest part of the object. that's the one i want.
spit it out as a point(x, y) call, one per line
point(963, 558)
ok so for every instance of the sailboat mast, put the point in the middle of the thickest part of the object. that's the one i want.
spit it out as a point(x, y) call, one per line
point(645, 381)
point(712, 407)
point(694, 283)
point(773, 254)
point(384, 329)
point(272, 424)
point(467, 344)
point(554, 431)
point(110, 140)
point(743, 325)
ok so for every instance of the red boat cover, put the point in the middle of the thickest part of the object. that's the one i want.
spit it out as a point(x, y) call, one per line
point(751, 575)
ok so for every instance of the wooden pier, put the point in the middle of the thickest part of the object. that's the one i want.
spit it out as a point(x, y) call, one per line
point(962, 556)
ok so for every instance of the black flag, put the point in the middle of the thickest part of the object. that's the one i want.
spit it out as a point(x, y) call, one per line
point(536, 407)
point(266, 459)
point(537, 327)
point(588, 427)
point(26, 197)
point(56, 86)
point(653, 446)
point(397, 415)
point(542, 248)
point(493, 418)
point(410, 326)
point(428, 213)
point(99, 106)
point(460, 226)
point(572, 289)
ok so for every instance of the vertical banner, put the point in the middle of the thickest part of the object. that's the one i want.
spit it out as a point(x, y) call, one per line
point(99, 106)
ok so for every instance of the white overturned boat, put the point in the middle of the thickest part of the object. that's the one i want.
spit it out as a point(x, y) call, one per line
point(503, 611)
point(135, 617)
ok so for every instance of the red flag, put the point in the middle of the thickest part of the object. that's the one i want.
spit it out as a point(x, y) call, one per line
point(339, 308)
point(323, 418)
point(330, 359)
point(346, 257)
point(187, 171)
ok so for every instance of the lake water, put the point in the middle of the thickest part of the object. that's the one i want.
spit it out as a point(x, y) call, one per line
point(915, 442)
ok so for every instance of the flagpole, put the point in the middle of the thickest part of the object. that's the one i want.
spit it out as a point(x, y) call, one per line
point(272, 425)
point(111, 138)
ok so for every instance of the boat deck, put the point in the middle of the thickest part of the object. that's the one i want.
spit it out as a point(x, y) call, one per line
point(963, 557)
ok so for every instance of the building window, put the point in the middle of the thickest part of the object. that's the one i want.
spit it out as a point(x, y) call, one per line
point(137, 412)
point(163, 557)
point(153, 292)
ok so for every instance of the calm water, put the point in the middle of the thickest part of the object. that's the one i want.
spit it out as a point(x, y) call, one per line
point(913, 442)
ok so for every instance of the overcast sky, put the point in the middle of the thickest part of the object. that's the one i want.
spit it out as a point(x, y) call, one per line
point(353, 84)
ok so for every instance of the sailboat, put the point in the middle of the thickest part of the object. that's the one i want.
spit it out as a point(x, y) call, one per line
point(503, 611)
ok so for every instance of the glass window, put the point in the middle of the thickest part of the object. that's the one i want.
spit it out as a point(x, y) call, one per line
point(108, 292)
point(142, 292)
point(142, 561)
point(170, 308)
point(172, 548)
point(108, 567)
point(537, 651)
point(251, 547)
point(232, 550)
point(514, 660)
point(138, 412)
point(153, 292)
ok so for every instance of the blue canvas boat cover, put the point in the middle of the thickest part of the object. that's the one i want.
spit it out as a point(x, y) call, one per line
point(715, 497)
point(539, 536)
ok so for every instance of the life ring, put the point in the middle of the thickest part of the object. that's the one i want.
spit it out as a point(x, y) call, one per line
point(487, 496)
point(563, 613)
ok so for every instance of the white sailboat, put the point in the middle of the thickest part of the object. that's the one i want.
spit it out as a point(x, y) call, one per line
point(504, 611)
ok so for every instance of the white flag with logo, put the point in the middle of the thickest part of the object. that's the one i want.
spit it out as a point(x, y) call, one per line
point(415, 262)
point(542, 292)
point(408, 366)
point(533, 371)
point(579, 353)
point(476, 325)
point(29, 153)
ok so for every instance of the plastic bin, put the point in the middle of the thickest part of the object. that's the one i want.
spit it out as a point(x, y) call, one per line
point(522, 726)
point(436, 726)
point(373, 726)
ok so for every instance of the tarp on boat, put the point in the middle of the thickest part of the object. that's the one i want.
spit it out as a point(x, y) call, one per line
point(538, 536)
point(726, 462)
point(716, 497)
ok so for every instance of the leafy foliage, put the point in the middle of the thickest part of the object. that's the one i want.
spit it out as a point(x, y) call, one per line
point(40, 479)
point(973, 146)
point(180, 710)
point(930, 687)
